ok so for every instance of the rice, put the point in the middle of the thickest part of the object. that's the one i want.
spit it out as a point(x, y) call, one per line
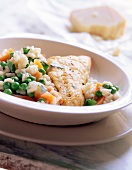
point(35, 86)
point(24, 76)
point(10, 74)
point(24, 62)
point(1, 68)
point(4, 71)
point(19, 59)
point(1, 85)
point(20, 70)
point(9, 80)
point(1, 73)
point(90, 90)
point(34, 52)
point(32, 69)
point(5, 51)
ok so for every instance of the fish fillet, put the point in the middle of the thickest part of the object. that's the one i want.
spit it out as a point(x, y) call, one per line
point(69, 74)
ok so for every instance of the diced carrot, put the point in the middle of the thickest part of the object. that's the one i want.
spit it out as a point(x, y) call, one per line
point(48, 97)
point(37, 75)
point(37, 95)
point(98, 86)
point(100, 100)
point(23, 97)
point(37, 62)
point(49, 88)
point(7, 56)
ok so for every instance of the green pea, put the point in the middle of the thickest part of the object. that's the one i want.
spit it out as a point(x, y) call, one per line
point(3, 64)
point(2, 78)
point(106, 86)
point(31, 95)
point(15, 78)
point(32, 78)
point(42, 81)
point(6, 85)
point(27, 80)
point(41, 70)
point(98, 93)
point(117, 88)
point(8, 91)
point(19, 75)
point(41, 99)
point(113, 90)
point(90, 102)
point(24, 86)
point(15, 86)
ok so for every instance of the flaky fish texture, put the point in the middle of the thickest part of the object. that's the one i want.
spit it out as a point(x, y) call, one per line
point(69, 74)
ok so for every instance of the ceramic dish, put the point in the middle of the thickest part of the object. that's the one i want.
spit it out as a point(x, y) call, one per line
point(113, 127)
point(103, 68)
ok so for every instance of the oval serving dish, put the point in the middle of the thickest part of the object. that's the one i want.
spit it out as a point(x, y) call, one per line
point(103, 68)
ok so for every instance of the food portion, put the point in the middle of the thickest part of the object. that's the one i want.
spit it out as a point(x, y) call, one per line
point(58, 80)
point(69, 74)
point(103, 21)
point(97, 93)
point(23, 74)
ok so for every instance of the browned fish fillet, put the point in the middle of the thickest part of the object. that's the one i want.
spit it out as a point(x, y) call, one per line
point(68, 74)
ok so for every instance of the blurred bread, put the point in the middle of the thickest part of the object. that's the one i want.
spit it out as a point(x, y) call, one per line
point(103, 21)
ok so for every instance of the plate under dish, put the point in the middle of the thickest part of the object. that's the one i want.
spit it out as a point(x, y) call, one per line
point(108, 129)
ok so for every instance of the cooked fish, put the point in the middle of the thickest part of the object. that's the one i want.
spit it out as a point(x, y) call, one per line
point(69, 74)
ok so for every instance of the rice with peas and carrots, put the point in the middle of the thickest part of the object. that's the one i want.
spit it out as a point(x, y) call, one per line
point(27, 74)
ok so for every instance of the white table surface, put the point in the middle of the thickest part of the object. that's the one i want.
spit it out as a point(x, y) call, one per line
point(21, 17)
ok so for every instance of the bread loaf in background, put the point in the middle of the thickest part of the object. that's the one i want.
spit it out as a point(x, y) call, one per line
point(103, 21)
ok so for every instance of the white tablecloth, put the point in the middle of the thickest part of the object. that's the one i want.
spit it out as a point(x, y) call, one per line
point(51, 18)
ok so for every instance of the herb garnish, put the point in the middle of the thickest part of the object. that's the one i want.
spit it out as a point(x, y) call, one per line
point(56, 65)
point(11, 66)
point(11, 55)
point(30, 59)
point(26, 50)
point(45, 65)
